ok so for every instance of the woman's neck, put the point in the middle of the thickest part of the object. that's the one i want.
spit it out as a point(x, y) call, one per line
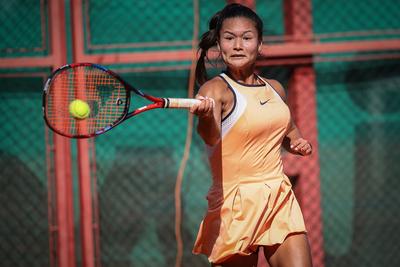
point(246, 77)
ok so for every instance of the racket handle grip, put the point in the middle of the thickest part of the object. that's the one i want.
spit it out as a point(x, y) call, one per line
point(180, 102)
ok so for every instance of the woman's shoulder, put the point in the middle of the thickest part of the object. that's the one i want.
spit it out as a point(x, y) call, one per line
point(214, 86)
point(216, 81)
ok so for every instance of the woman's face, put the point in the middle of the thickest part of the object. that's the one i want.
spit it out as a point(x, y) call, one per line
point(239, 43)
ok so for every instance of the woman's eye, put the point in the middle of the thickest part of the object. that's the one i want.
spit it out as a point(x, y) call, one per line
point(228, 38)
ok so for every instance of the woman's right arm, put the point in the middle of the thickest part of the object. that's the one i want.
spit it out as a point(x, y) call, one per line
point(209, 111)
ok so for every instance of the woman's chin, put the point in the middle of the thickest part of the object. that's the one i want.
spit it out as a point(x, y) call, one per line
point(239, 65)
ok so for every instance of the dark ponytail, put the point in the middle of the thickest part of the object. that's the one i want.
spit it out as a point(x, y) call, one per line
point(207, 41)
point(211, 37)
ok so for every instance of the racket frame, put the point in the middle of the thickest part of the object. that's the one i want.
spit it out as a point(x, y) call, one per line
point(157, 102)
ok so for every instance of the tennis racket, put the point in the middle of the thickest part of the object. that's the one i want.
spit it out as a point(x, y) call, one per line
point(104, 100)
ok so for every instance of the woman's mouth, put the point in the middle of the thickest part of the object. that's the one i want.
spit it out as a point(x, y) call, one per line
point(237, 56)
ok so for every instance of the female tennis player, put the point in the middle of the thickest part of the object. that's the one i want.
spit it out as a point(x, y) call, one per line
point(244, 121)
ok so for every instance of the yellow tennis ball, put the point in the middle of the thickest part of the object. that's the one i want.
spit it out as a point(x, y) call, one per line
point(79, 109)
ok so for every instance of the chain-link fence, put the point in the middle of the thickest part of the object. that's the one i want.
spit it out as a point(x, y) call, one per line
point(24, 28)
point(143, 25)
point(137, 166)
point(139, 162)
point(24, 227)
point(356, 20)
point(358, 121)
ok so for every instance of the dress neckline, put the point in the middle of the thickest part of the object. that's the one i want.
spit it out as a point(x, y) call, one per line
point(245, 84)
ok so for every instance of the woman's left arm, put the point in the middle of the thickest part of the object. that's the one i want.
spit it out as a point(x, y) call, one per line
point(293, 141)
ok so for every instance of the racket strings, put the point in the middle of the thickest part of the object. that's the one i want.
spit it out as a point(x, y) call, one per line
point(105, 95)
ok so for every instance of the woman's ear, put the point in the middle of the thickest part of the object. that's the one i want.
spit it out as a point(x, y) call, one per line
point(219, 48)
point(260, 47)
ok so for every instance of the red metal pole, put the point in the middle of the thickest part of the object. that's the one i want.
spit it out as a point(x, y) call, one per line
point(302, 98)
point(85, 178)
point(249, 3)
point(85, 200)
point(62, 151)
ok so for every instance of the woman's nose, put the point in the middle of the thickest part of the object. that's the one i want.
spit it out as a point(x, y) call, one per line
point(237, 44)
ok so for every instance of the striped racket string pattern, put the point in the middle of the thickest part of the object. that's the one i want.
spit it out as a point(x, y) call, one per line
point(105, 95)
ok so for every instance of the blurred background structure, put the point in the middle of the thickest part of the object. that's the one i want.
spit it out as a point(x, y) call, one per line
point(135, 196)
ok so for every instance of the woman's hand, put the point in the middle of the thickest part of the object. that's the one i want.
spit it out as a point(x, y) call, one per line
point(205, 109)
point(301, 146)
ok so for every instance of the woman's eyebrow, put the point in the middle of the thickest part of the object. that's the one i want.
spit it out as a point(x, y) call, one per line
point(248, 31)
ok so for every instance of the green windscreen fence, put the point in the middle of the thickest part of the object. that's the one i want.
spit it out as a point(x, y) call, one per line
point(137, 163)
point(359, 126)
point(24, 226)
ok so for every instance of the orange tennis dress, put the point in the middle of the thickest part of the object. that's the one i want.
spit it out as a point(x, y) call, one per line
point(250, 202)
